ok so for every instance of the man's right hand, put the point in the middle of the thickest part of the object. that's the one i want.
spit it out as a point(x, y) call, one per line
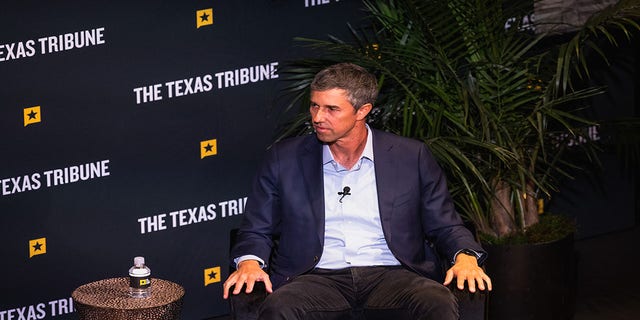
point(249, 271)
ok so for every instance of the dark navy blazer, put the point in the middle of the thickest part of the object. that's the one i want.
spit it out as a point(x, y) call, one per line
point(287, 202)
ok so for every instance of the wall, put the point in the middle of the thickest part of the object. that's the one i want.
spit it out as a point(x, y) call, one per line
point(603, 199)
point(134, 128)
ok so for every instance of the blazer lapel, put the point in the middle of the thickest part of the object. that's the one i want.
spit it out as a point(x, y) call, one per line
point(310, 159)
point(385, 167)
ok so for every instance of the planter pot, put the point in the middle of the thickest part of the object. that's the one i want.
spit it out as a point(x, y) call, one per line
point(532, 281)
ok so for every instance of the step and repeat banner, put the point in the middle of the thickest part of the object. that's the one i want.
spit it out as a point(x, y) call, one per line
point(134, 128)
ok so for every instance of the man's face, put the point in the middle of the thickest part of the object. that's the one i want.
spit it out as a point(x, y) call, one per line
point(333, 115)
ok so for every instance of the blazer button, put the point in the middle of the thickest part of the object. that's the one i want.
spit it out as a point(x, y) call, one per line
point(315, 259)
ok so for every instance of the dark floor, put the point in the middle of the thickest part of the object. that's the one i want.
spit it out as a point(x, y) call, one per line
point(608, 277)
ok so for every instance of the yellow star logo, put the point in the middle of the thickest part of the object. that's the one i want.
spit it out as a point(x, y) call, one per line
point(204, 17)
point(37, 247)
point(32, 115)
point(212, 275)
point(208, 148)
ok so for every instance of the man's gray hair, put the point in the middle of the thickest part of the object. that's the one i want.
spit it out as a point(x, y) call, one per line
point(360, 85)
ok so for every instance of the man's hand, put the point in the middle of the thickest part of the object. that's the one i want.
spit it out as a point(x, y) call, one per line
point(248, 272)
point(466, 269)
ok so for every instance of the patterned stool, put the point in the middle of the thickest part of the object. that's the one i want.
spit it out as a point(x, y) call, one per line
point(109, 300)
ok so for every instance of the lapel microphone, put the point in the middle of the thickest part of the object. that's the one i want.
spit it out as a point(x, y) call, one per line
point(344, 193)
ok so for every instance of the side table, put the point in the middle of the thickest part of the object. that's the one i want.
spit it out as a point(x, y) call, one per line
point(109, 299)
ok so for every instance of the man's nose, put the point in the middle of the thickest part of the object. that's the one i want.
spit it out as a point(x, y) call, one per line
point(317, 115)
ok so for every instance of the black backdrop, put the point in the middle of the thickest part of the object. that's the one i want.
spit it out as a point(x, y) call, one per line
point(170, 175)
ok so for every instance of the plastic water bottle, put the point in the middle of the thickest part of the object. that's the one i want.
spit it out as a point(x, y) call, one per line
point(139, 279)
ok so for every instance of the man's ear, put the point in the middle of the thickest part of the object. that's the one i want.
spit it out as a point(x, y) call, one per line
point(364, 111)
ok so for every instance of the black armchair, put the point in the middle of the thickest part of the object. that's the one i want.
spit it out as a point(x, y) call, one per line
point(472, 306)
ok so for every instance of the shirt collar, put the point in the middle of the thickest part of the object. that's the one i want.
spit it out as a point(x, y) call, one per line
point(366, 153)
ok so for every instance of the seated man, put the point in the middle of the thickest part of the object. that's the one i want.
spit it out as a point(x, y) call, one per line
point(358, 213)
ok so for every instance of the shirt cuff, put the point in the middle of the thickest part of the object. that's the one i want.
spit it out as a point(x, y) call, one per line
point(467, 251)
point(249, 257)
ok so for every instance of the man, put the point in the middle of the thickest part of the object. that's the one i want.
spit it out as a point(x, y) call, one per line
point(359, 214)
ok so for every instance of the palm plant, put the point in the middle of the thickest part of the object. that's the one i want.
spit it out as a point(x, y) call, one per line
point(498, 103)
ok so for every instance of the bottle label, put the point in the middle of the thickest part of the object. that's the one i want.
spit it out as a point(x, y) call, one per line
point(139, 282)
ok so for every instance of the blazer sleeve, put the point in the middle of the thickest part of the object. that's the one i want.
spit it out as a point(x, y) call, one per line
point(443, 226)
point(261, 215)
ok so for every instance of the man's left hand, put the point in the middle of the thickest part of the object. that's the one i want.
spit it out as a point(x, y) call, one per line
point(466, 269)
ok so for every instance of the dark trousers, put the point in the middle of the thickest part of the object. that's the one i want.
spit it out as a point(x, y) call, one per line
point(361, 293)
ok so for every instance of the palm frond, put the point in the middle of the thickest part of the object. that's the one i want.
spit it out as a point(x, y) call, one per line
point(494, 104)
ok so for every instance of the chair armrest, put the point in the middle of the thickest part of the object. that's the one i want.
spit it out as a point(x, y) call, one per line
point(244, 306)
point(471, 305)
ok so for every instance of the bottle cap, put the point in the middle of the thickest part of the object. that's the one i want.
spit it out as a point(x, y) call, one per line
point(138, 261)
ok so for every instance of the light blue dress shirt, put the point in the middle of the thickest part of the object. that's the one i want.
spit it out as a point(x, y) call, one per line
point(353, 232)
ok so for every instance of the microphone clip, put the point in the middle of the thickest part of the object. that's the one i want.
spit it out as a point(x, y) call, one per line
point(345, 192)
